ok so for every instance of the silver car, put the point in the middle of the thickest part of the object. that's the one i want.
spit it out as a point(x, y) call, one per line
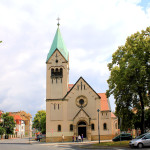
point(141, 141)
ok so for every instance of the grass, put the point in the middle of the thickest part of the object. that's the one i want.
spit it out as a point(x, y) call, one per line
point(113, 144)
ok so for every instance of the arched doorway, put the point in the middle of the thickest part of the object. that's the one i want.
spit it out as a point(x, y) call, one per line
point(82, 128)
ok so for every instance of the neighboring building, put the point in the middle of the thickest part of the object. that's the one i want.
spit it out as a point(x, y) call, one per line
point(19, 129)
point(1, 112)
point(26, 122)
point(71, 109)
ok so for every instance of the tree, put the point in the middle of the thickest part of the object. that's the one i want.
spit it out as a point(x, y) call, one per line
point(2, 130)
point(8, 123)
point(129, 81)
point(147, 118)
point(39, 121)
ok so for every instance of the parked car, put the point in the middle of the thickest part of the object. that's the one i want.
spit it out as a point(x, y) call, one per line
point(141, 141)
point(123, 137)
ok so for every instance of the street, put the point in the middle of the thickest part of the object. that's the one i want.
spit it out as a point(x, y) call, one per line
point(25, 144)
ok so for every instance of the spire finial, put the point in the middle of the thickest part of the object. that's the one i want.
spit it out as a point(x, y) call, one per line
point(58, 21)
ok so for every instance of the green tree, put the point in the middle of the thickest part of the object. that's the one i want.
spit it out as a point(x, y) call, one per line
point(147, 118)
point(43, 124)
point(39, 121)
point(2, 130)
point(129, 81)
point(8, 123)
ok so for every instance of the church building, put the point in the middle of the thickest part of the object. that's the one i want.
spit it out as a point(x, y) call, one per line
point(73, 109)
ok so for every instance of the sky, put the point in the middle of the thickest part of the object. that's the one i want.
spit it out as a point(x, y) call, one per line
point(91, 29)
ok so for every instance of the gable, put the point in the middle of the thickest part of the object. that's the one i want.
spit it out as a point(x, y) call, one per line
point(56, 56)
point(81, 85)
point(82, 114)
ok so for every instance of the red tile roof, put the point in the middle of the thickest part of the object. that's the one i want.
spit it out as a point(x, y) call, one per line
point(17, 130)
point(17, 118)
point(104, 105)
point(70, 86)
point(112, 115)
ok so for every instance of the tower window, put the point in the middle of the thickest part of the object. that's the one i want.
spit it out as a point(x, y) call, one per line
point(59, 128)
point(71, 127)
point(92, 127)
point(105, 126)
point(57, 72)
point(58, 106)
point(54, 106)
point(52, 72)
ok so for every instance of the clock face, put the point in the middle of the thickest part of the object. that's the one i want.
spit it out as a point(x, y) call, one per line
point(81, 101)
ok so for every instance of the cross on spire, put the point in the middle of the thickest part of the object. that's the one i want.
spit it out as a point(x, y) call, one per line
point(58, 21)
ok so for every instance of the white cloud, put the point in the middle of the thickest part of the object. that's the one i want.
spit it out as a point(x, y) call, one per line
point(92, 31)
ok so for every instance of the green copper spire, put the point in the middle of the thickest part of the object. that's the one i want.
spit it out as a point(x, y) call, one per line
point(58, 43)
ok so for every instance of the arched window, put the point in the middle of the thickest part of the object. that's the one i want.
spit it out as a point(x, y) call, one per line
point(56, 72)
point(61, 72)
point(71, 127)
point(59, 128)
point(105, 126)
point(52, 72)
point(116, 125)
point(92, 127)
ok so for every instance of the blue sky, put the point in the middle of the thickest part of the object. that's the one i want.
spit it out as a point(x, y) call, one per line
point(92, 31)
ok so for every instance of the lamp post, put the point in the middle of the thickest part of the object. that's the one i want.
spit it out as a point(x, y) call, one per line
point(98, 125)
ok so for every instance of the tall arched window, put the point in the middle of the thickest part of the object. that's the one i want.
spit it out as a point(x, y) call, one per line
point(116, 125)
point(59, 128)
point(56, 72)
point(71, 127)
point(92, 127)
point(52, 72)
point(61, 72)
point(105, 126)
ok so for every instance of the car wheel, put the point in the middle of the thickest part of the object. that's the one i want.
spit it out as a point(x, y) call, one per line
point(140, 145)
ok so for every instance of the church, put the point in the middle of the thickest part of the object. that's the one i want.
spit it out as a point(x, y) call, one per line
point(73, 109)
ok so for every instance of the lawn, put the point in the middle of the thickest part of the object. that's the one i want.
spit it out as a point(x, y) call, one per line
point(113, 144)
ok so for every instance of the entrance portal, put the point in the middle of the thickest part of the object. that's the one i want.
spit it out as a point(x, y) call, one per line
point(82, 128)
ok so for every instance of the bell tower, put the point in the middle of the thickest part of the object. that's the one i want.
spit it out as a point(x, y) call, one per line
point(57, 70)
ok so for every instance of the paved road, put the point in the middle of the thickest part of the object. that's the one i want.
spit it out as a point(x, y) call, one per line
point(23, 144)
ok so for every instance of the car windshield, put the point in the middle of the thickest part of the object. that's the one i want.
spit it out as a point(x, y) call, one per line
point(139, 137)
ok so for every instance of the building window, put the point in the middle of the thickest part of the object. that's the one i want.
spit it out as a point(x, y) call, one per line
point(52, 72)
point(71, 127)
point(57, 73)
point(59, 128)
point(54, 106)
point(58, 106)
point(92, 127)
point(116, 125)
point(105, 126)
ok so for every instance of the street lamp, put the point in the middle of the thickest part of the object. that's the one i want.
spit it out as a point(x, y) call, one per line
point(98, 125)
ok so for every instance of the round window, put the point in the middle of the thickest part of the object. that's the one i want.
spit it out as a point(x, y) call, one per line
point(81, 101)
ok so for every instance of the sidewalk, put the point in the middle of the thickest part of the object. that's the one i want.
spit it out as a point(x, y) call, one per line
point(75, 143)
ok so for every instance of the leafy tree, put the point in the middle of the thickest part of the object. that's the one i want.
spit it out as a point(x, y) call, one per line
point(39, 121)
point(43, 124)
point(129, 81)
point(2, 130)
point(147, 118)
point(8, 123)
